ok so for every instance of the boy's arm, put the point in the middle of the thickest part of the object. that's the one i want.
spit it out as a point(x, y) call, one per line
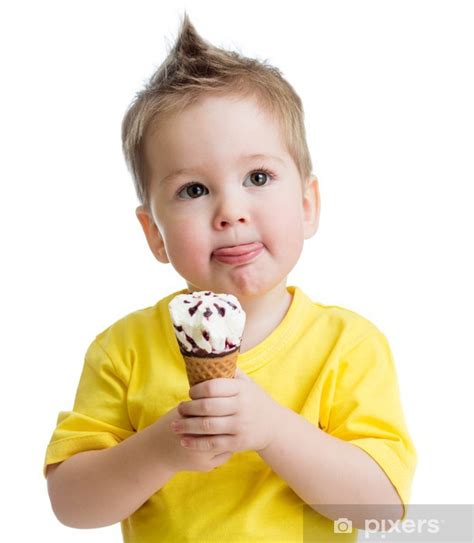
point(98, 488)
point(323, 470)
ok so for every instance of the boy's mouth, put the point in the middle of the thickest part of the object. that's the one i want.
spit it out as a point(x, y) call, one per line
point(238, 250)
point(238, 254)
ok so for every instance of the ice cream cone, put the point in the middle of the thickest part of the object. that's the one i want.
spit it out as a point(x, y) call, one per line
point(208, 328)
point(200, 368)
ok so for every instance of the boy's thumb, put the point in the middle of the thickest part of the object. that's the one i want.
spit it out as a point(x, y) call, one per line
point(239, 374)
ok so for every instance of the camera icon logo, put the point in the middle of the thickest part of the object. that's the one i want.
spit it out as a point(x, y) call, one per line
point(343, 526)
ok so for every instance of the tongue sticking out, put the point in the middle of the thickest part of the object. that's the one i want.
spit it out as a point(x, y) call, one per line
point(238, 250)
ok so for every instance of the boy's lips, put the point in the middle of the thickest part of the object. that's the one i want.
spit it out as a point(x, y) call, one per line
point(238, 250)
point(238, 254)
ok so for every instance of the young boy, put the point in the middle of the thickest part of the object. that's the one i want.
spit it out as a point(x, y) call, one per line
point(311, 429)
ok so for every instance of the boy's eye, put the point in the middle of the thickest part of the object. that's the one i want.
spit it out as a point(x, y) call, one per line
point(191, 191)
point(257, 176)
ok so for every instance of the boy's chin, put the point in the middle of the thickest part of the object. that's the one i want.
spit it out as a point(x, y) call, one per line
point(246, 290)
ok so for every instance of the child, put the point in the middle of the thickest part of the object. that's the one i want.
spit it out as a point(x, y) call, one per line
point(311, 429)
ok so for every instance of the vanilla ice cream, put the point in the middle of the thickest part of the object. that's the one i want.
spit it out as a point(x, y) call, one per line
point(207, 324)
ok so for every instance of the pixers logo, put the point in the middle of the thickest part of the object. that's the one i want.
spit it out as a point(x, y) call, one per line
point(342, 526)
point(409, 526)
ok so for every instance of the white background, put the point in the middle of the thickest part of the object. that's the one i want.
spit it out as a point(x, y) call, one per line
point(388, 94)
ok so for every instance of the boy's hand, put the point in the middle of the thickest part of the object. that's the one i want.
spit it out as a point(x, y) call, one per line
point(227, 415)
point(175, 457)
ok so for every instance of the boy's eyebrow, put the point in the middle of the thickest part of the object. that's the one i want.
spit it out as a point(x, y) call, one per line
point(188, 171)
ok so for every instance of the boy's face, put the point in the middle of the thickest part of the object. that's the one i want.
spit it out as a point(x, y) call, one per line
point(229, 200)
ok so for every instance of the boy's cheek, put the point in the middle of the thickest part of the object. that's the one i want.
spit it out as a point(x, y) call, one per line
point(189, 247)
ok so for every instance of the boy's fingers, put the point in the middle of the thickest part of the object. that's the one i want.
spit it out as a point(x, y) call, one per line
point(203, 425)
point(214, 387)
point(208, 443)
point(216, 407)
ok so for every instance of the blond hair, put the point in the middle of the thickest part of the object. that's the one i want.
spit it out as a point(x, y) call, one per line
point(193, 68)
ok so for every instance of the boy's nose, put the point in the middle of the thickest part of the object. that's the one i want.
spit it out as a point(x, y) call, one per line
point(224, 223)
point(230, 214)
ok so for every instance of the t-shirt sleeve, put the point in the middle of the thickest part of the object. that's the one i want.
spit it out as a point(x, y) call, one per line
point(99, 418)
point(366, 410)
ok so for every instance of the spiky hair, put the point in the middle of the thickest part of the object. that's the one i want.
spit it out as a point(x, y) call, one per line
point(194, 67)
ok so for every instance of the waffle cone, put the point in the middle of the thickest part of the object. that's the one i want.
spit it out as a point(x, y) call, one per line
point(201, 368)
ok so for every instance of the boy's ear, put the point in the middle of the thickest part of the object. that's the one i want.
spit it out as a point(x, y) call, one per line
point(311, 207)
point(152, 234)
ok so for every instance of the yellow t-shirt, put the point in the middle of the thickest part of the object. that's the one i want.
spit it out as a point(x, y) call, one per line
point(327, 363)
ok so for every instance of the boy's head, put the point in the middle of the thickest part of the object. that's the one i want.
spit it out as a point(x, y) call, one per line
point(236, 127)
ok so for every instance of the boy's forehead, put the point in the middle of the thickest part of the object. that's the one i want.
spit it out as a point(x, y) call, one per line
point(211, 118)
point(216, 130)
